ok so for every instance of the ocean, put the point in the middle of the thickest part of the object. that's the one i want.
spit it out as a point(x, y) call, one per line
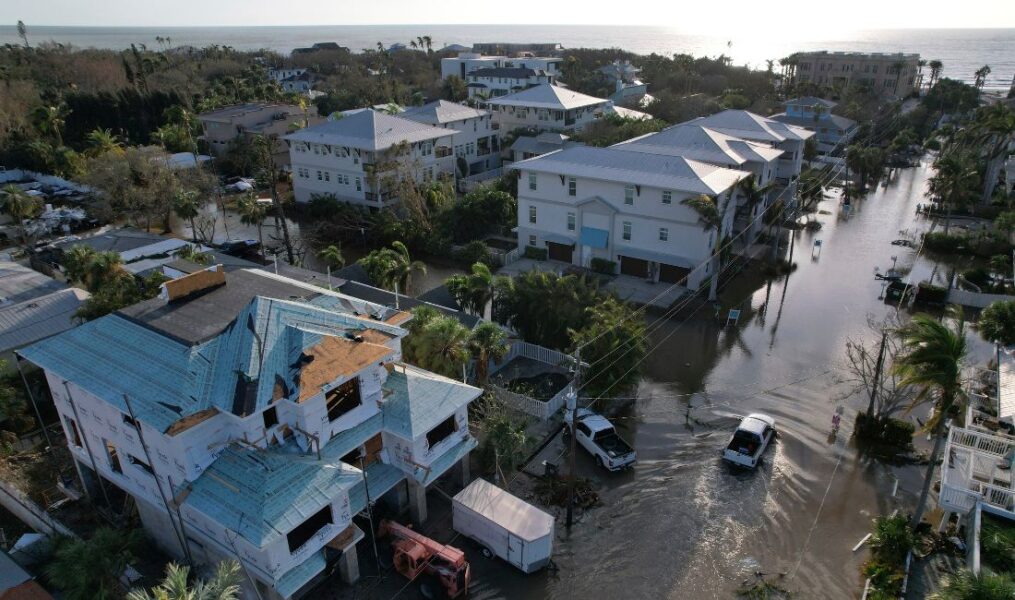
point(961, 50)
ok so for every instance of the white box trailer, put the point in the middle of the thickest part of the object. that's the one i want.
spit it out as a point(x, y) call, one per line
point(508, 526)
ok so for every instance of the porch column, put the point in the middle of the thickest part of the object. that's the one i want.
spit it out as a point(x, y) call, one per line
point(348, 566)
point(417, 502)
point(466, 470)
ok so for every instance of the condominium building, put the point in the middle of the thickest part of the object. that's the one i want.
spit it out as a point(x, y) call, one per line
point(354, 157)
point(546, 107)
point(492, 82)
point(467, 62)
point(745, 125)
point(248, 416)
point(895, 75)
point(475, 141)
point(627, 207)
point(224, 126)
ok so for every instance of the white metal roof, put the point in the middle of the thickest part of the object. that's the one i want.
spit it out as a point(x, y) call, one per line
point(747, 125)
point(655, 170)
point(547, 96)
point(701, 143)
point(510, 512)
point(442, 111)
point(368, 130)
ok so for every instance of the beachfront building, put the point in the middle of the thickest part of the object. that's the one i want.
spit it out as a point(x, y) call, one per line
point(468, 62)
point(475, 141)
point(225, 126)
point(700, 143)
point(249, 416)
point(630, 90)
point(499, 81)
point(790, 139)
point(546, 108)
point(894, 75)
point(584, 203)
point(354, 158)
point(831, 132)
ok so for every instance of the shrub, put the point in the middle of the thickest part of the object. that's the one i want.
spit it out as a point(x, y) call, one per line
point(892, 540)
point(886, 430)
point(322, 206)
point(536, 253)
point(978, 277)
point(604, 266)
point(474, 252)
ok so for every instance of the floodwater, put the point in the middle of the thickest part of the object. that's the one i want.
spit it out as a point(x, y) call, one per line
point(683, 524)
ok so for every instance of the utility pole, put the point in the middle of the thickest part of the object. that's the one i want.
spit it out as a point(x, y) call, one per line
point(370, 511)
point(877, 373)
point(572, 405)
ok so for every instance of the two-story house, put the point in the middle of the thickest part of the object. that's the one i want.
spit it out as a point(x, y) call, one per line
point(225, 126)
point(790, 139)
point(831, 132)
point(355, 157)
point(476, 142)
point(546, 108)
point(499, 81)
point(249, 416)
point(700, 143)
point(626, 207)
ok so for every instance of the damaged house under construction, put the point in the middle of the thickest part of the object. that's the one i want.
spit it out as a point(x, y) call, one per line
point(249, 416)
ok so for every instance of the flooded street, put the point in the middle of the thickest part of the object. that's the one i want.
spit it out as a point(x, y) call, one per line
point(682, 524)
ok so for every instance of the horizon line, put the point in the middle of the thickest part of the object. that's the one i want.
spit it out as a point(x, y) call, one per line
point(121, 26)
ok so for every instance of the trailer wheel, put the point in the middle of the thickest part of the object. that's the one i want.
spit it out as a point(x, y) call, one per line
point(487, 553)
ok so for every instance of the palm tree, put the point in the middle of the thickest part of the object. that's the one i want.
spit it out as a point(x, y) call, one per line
point(429, 44)
point(965, 585)
point(91, 569)
point(953, 182)
point(193, 253)
point(253, 212)
point(981, 77)
point(992, 130)
point(753, 193)
point(711, 219)
point(332, 255)
point(473, 291)
point(445, 343)
point(23, 33)
point(897, 66)
point(487, 342)
point(225, 585)
point(20, 206)
point(997, 323)
point(402, 268)
point(180, 116)
point(101, 141)
point(935, 72)
point(49, 120)
point(76, 261)
point(186, 206)
point(931, 359)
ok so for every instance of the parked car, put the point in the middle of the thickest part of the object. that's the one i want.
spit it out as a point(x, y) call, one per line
point(750, 440)
point(596, 434)
point(239, 247)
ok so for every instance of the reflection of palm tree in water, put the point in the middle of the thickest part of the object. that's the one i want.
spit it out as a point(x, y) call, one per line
point(778, 315)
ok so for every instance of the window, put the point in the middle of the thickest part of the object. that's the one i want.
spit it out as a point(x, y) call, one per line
point(270, 417)
point(342, 399)
point(137, 462)
point(112, 456)
point(327, 176)
point(307, 529)
point(426, 149)
point(359, 186)
point(629, 195)
point(532, 214)
point(72, 428)
point(570, 221)
point(532, 240)
point(664, 234)
point(572, 186)
point(627, 230)
point(667, 197)
point(319, 177)
point(441, 432)
point(532, 181)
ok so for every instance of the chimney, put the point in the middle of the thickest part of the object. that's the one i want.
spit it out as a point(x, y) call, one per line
point(189, 285)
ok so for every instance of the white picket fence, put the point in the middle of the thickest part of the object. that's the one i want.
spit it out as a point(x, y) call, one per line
point(540, 409)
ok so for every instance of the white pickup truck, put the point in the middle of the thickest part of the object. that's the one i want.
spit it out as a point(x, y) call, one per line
point(750, 440)
point(597, 435)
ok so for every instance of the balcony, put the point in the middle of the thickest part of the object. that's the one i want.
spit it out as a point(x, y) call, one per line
point(381, 197)
point(977, 469)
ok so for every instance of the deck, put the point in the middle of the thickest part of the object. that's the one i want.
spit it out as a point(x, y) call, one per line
point(977, 468)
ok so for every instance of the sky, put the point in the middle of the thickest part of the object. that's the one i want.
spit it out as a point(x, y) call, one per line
point(690, 16)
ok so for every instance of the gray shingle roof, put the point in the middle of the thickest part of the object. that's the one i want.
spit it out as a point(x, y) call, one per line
point(547, 96)
point(613, 164)
point(368, 130)
point(700, 143)
point(826, 120)
point(811, 101)
point(749, 126)
point(442, 111)
point(19, 283)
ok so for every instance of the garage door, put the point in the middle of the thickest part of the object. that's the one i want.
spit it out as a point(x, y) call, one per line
point(561, 252)
point(635, 267)
point(672, 274)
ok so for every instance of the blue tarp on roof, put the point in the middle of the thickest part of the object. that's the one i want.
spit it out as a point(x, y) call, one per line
point(596, 238)
point(237, 371)
point(417, 401)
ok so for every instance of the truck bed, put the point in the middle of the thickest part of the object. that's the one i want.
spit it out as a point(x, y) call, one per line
point(614, 445)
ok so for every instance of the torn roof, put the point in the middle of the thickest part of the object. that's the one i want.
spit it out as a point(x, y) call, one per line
point(265, 347)
point(416, 401)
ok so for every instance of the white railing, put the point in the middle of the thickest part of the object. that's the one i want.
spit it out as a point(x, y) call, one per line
point(511, 256)
point(471, 182)
point(541, 409)
point(523, 403)
point(980, 442)
point(957, 499)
